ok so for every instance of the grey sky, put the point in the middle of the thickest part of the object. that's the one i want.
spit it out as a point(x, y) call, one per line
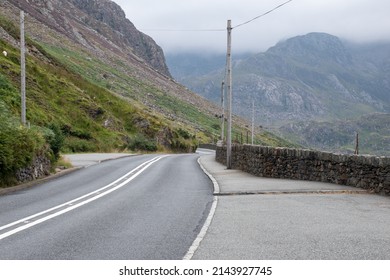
point(356, 20)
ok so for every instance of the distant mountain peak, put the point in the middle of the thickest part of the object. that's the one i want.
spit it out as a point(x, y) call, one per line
point(314, 46)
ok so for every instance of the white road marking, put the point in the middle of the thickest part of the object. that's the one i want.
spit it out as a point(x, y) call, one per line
point(74, 203)
point(195, 245)
point(205, 151)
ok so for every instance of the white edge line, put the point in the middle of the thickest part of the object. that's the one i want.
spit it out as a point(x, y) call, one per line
point(195, 245)
point(215, 183)
point(21, 228)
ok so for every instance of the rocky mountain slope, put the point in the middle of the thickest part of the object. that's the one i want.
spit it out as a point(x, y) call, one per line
point(311, 78)
point(97, 25)
point(315, 76)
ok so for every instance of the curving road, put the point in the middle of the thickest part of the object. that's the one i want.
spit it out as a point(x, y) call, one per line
point(140, 207)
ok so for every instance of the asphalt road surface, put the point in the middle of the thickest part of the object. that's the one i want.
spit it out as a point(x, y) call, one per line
point(139, 207)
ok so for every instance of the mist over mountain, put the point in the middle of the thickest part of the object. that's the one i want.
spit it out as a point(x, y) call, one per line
point(312, 78)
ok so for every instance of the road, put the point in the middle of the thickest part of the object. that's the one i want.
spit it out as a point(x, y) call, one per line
point(162, 207)
point(139, 207)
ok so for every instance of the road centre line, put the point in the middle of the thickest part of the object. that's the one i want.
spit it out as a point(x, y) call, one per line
point(78, 202)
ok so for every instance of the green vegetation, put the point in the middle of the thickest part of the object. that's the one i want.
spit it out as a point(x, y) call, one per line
point(89, 117)
point(18, 145)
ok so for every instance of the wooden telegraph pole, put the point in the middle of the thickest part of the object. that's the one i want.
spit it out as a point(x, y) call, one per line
point(229, 89)
point(223, 111)
point(253, 120)
point(23, 68)
point(357, 144)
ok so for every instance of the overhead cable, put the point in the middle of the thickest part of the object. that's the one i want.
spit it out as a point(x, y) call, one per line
point(185, 30)
point(219, 30)
point(266, 13)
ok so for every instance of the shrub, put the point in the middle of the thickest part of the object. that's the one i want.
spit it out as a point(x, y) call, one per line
point(68, 130)
point(18, 146)
point(184, 146)
point(55, 138)
point(141, 143)
point(184, 133)
point(74, 145)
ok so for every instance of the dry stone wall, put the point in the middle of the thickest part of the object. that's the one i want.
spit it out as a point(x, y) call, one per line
point(40, 167)
point(367, 172)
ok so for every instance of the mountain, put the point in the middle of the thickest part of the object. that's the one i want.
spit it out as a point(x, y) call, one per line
point(315, 76)
point(102, 83)
point(312, 78)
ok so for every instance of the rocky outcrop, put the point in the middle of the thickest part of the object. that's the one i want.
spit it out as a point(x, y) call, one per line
point(125, 35)
point(40, 167)
point(96, 24)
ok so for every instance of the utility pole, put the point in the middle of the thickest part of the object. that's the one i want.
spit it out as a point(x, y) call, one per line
point(357, 144)
point(223, 111)
point(253, 119)
point(229, 89)
point(23, 68)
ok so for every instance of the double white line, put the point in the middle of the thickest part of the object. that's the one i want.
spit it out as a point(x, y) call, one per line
point(56, 211)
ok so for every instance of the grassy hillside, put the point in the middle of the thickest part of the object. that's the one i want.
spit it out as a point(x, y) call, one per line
point(91, 117)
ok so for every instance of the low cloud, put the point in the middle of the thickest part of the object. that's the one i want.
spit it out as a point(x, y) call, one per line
point(356, 20)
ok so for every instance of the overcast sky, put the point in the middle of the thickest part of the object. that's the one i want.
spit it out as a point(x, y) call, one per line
point(356, 20)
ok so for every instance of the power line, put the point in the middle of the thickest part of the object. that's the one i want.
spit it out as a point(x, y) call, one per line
point(216, 29)
point(185, 30)
point(266, 13)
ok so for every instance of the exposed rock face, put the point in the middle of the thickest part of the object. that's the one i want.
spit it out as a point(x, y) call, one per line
point(96, 22)
point(110, 13)
point(40, 167)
